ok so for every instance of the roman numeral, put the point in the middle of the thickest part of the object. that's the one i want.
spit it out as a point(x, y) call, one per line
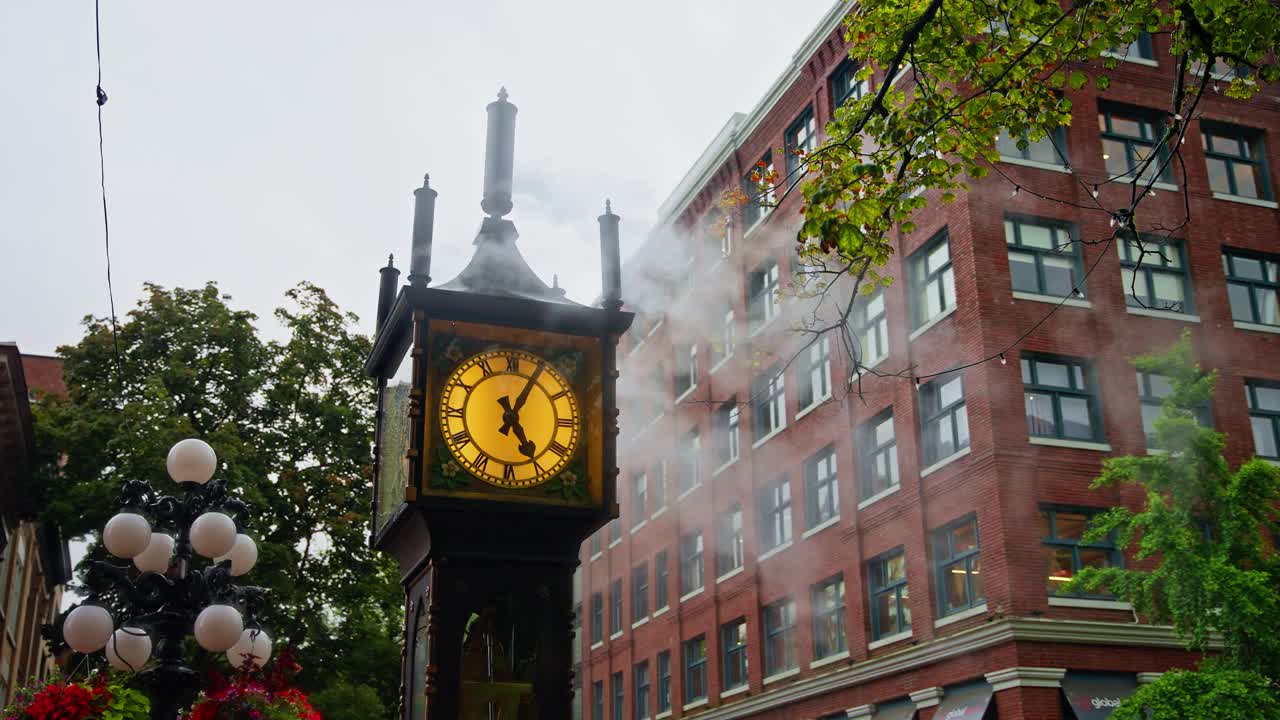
point(482, 462)
point(453, 413)
point(559, 395)
point(538, 468)
point(509, 473)
point(558, 449)
point(564, 422)
point(462, 437)
point(513, 363)
point(485, 367)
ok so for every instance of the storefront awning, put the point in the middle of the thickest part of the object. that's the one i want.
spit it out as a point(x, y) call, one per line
point(964, 702)
point(899, 710)
point(1093, 696)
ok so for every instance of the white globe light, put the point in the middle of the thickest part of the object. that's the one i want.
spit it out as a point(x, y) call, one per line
point(126, 535)
point(218, 627)
point(87, 628)
point(191, 460)
point(243, 555)
point(157, 555)
point(129, 649)
point(213, 534)
point(253, 646)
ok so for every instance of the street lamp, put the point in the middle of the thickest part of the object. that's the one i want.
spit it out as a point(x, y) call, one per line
point(166, 599)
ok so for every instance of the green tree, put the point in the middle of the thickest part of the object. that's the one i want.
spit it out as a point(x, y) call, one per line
point(292, 422)
point(1205, 564)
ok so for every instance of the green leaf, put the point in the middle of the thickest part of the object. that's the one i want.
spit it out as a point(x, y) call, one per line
point(1078, 79)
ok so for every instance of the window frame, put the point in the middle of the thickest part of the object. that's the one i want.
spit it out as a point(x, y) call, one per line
point(1255, 412)
point(774, 502)
point(870, 450)
point(1250, 138)
point(1015, 223)
point(1147, 119)
point(640, 592)
point(664, 681)
point(695, 666)
point(640, 690)
point(733, 654)
point(1147, 269)
point(728, 338)
point(619, 695)
point(875, 589)
point(861, 323)
point(727, 425)
point(731, 543)
point(597, 700)
point(854, 88)
point(814, 364)
point(945, 558)
point(1057, 139)
point(779, 621)
point(768, 403)
point(930, 415)
point(615, 606)
point(661, 577)
point(922, 277)
point(801, 134)
point(1229, 255)
point(762, 294)
point(639, 499)
point(690, 452)
point(691, 562)
point(754, 211)
point(657, 490)
point(597, 617)
point(686, 369)
point(1147, 398)
point(834, 615)
point(817, 485)
point(1115, 557)
point(1090, 394)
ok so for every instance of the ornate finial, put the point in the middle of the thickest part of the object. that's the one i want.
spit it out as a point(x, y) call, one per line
point(391, 260)
point(608, 208)
point(426, 180)
point(502, 94)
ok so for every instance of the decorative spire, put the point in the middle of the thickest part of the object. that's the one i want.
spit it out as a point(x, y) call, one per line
point(424, 220)
point(388, 280)
point(610, 259)
point(499, 156)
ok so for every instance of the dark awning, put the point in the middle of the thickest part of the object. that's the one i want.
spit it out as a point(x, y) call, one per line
point(964, 702)
point(1093, 696)
point(899, 710)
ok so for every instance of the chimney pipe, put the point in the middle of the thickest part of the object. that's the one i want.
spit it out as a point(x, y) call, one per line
point(424, 220)
point(610, 259)
point(388, 279)
point(499, 156)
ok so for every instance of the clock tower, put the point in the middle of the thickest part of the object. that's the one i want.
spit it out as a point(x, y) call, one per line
point(495, 458)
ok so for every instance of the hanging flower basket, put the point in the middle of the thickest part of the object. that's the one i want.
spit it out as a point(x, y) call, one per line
point(255, 695)
point(101, 698)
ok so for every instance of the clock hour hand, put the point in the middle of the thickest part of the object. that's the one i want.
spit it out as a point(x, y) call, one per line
point(524, 394)
point(511, 423)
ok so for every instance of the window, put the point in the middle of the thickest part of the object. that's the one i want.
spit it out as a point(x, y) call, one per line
point(640, 592)
point(722, 348)
point(729, 546)
point(639, 499)
point(890, 611)
point(1154, 274)
point(801, 138)
point(1264, 416)
point(933, 283)
point(1043, 258)
point(1236, 161)
point(1139, 49)
point(597, 618)
point(659, 379)
point(615, 531)
point(1129, 139)
point(690, 467)
point(845, 83)
point(768, 403)
point(779, 636)
point(597, 700)
point(879, 455)
point(1253, 285)
point(1152, 390)
point(686, 368)
point(821, 487)
point(1060, 401)
point(657, 485)
point(759, 190)
point(726, 429)
point(1048, 150)
point(1064, 548)
point(664, 681)
point(828, 618)
point(617, 696)
point(690, 562)
point(596, 547)
point(660, 573)
point(869, 326)
point(733, 641)
point(775, 514)
point(762, 294)
point(814, 372)
point(956, 560)
point(615, 607)
point(944, 418)
point(695, 669)
point(640, 691)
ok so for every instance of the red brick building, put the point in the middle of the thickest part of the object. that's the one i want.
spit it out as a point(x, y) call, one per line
point(787, 551)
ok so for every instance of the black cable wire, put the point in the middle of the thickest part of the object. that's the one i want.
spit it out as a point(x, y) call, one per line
point(100, 97)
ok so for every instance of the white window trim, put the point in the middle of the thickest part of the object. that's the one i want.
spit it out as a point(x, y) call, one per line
point(725, 466)
point(686, 393)
point(639, 525)
point(1135, 60)
point(782, 675)
point(962, 615)
point(597, 645)
point(837, 657)
point(783, 426)
point(765, 325)
point(731, 573)
point(1037, 297)
point(1087, 603)
point(774, 551)
point(817, 402)
point(1074, 444)
point(688, 492)
point(1256, 327)
point(596, 556)
point(889, 640)
point(615, 543)
point(820, 527)
point(657, 325)
point(693, 593)
point(1246, 200)
point(1157, 185)
point(931, 322)
point(662, 715)
point(1166, 314)
point(658, 512)
point(945, 461)
point(615, 636)
point(695, 704)
point(720, 363)
point(736, 690)
point(1034, 164)
point(661, 610)
point(636, 348)
point(640, 622)
point(862, 505)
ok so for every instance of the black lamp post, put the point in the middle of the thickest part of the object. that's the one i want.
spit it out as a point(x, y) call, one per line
point(164, 599)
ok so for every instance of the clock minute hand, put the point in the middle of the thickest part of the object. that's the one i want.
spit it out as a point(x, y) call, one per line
point(524, 394)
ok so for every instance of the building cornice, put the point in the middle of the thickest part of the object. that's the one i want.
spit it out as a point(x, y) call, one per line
point(1081, 632)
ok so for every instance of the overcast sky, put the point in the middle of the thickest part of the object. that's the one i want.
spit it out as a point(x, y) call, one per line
point(259, 144)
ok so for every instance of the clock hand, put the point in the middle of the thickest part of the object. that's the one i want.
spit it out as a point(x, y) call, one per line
point(526, 447)
point(524, 394)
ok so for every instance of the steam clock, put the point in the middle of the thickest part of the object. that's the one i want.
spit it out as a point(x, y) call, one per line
point(496, 458)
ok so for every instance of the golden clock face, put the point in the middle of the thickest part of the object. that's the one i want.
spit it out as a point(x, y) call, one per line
point(509, 418)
